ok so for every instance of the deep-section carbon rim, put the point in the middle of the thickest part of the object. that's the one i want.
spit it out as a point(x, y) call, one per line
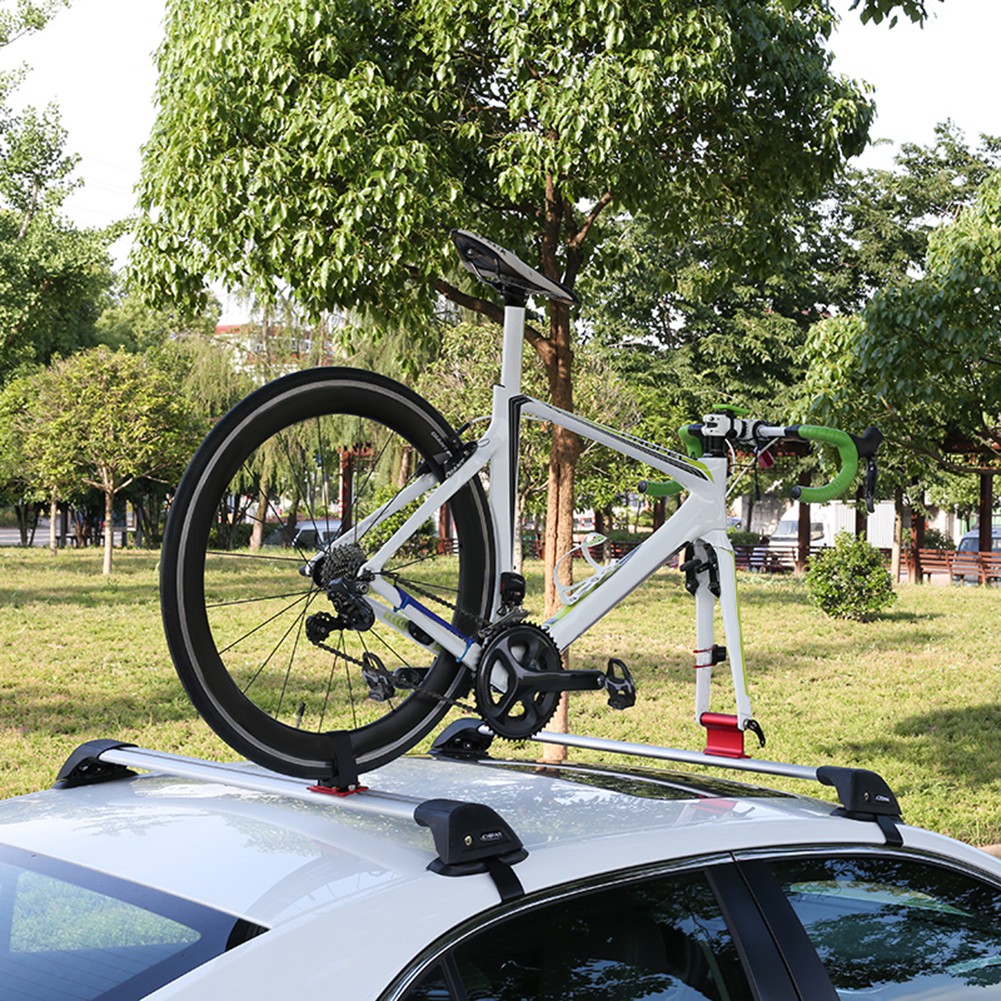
point(261, 499)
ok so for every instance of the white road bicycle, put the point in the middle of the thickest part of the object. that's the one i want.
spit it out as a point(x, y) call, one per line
point(381, 625)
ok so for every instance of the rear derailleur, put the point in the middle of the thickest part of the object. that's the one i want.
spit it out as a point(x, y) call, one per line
point(519, 680)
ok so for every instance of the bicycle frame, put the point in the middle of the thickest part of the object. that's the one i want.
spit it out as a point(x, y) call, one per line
point(699, 521)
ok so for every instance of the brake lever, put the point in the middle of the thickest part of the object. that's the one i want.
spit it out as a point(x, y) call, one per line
point(867, 444)
point(870, 484)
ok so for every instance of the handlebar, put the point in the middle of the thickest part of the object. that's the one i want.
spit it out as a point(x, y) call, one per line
point(848, 453)
point(727, 425)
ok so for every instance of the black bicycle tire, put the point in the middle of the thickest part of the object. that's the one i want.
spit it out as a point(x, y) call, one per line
point(235, 718)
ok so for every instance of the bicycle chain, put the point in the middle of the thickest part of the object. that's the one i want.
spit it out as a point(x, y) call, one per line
point(344, 655)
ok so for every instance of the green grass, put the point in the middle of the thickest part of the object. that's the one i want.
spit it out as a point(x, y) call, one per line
point(915, 695)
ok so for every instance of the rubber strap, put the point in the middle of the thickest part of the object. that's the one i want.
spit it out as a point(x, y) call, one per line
point(849, 463)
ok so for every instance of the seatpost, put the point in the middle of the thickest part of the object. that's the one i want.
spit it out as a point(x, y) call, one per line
point(514, 336)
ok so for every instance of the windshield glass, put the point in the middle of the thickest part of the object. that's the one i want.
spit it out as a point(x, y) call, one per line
point(68, 932)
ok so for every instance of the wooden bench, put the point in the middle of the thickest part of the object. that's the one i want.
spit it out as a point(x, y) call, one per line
point(965, 568)
point(932, 561)
point(990, 568)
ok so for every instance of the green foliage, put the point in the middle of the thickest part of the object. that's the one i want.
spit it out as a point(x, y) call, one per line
point(937, 539)
point(850, 580)
point(22, 17)
point(876, 10)
point(52, 281)
point(920, 359)
point(52, 275)
point(128, 322)
point(104, 419)
point(742, 537)
point(459, 382)
point(330, 149)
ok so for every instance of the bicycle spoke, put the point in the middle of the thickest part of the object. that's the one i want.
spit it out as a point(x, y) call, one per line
point(306, 597)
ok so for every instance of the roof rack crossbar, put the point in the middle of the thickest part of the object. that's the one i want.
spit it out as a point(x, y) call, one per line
point(468, 837)
point(677, 754)
point(863, 794)
point(242, 777)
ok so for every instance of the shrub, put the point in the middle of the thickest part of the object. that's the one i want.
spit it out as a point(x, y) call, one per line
point(850, 580)
point(741, 537)
point(935, 539)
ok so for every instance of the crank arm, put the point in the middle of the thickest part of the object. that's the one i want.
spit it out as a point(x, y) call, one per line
point(561, 681)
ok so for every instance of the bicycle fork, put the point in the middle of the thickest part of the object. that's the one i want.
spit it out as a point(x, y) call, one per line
point(711, 562)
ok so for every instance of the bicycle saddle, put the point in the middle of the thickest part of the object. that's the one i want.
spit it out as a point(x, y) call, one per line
point(502, 270)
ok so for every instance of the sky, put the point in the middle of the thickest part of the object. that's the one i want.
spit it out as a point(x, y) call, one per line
point(95, 60)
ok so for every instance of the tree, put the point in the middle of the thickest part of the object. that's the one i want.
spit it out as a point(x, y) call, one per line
point(106, 419)
point(329, 150)
point(926, 354)
point(877, 10)
point(22, 17)
point(16, 485)
point(52, 275)
point(52, 283)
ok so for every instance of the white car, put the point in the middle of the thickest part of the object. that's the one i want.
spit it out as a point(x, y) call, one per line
point(459, 876)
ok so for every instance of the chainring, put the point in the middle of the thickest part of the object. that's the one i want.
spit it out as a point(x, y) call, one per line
point(504, 697)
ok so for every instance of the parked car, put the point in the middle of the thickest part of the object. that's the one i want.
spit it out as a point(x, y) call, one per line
point(460, 875)
point(305, 535)
point(970, 543)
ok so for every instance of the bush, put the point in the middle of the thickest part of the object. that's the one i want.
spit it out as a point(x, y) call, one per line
point(850, 580)
point(935, 539)
point(741, 537)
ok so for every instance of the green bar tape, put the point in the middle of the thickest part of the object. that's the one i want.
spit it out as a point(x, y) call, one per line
point(849, 463)
point(692, 444)
point(670, 488)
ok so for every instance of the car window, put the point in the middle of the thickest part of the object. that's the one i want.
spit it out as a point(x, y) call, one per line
point(658, 939)
point(889, 928)
point(71, 933)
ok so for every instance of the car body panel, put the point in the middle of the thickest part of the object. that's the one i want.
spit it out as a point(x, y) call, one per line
point(352, 887)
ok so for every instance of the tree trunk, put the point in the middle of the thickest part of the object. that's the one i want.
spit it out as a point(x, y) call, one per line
point(917, 544)
point(804, 528)
point(53, 518)
point(109, 529)
point(260, 516)
point(898, 532)
point(986, 541)
point(564, 451)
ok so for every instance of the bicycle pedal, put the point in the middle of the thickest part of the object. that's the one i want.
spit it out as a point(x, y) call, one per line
point(620, 685)
point(379, 680)
point(410, 678)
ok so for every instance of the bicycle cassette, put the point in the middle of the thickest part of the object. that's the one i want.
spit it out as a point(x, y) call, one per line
point(514, 693)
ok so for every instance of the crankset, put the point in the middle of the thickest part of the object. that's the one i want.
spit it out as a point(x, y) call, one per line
point(519, 681)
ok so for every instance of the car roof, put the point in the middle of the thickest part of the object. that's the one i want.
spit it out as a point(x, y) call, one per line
point(352, 877)
point(269, 857)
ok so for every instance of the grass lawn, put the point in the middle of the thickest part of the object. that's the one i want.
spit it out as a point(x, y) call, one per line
point(915, 695)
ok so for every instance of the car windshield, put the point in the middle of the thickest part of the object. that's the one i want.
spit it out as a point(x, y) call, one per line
point(71, 933)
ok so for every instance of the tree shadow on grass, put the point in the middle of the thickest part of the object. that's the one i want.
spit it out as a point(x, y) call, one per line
point(955, 745)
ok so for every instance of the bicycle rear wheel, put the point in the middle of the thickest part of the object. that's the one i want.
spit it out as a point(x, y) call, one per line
point(254, 536)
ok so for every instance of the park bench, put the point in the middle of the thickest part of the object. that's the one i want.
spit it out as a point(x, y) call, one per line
point(932, 561)
point(990, 568)
point(965, 568)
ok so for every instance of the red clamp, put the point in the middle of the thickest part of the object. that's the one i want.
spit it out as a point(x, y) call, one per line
point(337, 791)
point(723, 737)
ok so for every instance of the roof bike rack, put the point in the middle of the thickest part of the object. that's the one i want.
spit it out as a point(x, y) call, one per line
point(863, 795)
point(469, 838)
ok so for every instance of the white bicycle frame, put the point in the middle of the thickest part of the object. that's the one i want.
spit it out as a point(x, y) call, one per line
point(699, 521)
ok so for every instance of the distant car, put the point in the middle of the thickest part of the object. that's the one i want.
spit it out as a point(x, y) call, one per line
point(970, 543)
point(787, 533)
point(305, 535)
point(965, 562)
point(462, 877)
